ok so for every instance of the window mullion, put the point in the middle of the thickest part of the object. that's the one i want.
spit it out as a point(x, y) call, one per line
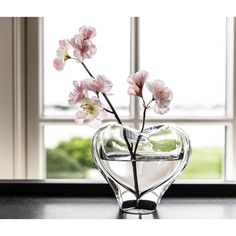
point(230, 161)
point(134, 65)
point(34, 149)
point(19, 98)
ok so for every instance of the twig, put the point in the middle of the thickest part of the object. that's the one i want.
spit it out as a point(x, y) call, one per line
point(105, 96)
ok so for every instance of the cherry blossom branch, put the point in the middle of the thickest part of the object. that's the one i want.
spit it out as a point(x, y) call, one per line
point(144, 112)
point(108, 110)
point(118, 120)
point(144, 117)
point(105, 96)
point(84, 48)
point(132, 154)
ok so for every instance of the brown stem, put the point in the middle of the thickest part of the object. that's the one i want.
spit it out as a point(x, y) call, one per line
point(134, 166)
point(144, 113)
point(105, 96)
point(136, 145)
point(133, 160)
point(107, 110)
point(132, 154)
point(136, 188)
point(127, 142)
point(144, 117)
point(112, 108)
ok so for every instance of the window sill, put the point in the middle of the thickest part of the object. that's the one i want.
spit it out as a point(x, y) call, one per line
point(107, 208)
point(82, 200)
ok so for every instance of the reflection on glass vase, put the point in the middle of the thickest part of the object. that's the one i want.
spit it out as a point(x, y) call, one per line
point(140, 166)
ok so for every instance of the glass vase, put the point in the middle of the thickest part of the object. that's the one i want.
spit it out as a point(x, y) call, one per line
point(140, 166)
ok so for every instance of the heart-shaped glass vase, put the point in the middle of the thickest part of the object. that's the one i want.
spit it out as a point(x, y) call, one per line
point(140, 166)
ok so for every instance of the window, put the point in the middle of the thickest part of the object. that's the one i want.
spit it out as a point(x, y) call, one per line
point(60, 164)
point(190, 56)
point(195, 58)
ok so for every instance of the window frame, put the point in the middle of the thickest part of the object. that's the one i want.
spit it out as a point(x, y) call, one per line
point(36, 120)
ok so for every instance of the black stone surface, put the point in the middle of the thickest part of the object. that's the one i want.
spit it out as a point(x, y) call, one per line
point(107, 208)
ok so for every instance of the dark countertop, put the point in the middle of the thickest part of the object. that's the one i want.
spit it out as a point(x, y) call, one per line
point(107, 208)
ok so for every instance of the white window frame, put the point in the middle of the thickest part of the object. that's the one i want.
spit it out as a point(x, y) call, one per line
point(35, 155)
point(12, 99)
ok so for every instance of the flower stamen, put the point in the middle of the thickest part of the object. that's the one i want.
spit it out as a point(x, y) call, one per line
point(66, 56)
point(88, 109)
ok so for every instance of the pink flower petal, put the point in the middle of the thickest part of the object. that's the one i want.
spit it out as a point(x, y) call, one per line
point(99, 84)
point(58, 64)
point(162, 94)
point(168, 94)
point(102, 115)
point(136, 82)
point(160, 110)
point(80, 91)
point(78, 55)
point(83, 48)
point(79, 117)
point(94, 123)
point(87, 32)
point(63, 43)
point(103, 84)
point(131, 91)
point(91, 112)
point(62, 55)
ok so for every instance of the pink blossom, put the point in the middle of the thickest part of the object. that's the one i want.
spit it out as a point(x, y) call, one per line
point(136, 82)
point(87, 32)
point(82, 48)
point(99, 84)
point(91, 112)
point(163, 95)
point(62, 55)
point(63, 43)
point(78, 93)
point(58, 64)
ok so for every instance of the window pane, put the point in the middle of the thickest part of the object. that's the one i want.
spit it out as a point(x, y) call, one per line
point(189, 55)
point(208, 145)
point(111, 60)
point(68, 152)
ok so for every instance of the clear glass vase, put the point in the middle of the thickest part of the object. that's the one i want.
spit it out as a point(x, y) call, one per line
point(140, 166)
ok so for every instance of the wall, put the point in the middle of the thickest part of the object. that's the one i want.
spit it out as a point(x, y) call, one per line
point(6, 99)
